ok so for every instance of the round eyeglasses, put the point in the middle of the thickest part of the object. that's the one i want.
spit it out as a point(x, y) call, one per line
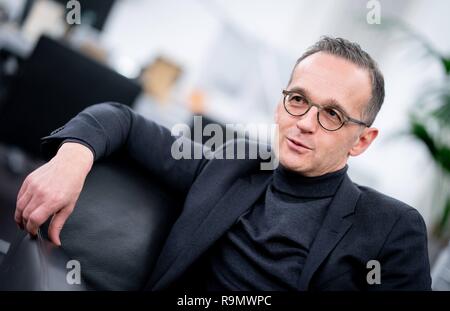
point(330, 117)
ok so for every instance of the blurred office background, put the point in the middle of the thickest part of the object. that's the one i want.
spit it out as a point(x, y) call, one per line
point(228, 61)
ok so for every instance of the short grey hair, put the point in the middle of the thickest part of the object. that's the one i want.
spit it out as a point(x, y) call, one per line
point(352, 52)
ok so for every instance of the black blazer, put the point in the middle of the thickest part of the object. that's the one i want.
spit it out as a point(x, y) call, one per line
point(361, 225)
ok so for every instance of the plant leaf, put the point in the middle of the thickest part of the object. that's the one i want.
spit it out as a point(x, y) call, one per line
point(446, 63)
point(419, 131)
point(443, 158)
point(442, 113)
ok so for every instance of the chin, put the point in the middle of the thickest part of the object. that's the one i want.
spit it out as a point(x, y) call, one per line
point(293, 163)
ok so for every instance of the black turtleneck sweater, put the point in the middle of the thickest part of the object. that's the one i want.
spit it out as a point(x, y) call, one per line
point(268, 245)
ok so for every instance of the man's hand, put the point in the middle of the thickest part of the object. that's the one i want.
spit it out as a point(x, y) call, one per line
point(53, 189)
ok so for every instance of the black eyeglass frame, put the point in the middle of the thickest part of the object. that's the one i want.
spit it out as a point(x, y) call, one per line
point(346, 118)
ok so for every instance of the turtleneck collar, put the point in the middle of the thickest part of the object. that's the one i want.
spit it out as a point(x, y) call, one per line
point(298, 185)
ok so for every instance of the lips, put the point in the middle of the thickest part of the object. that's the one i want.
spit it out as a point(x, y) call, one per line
point(296, 144)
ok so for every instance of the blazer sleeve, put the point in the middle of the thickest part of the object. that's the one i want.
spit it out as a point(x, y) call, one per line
point(404, 256)
point(108, 127)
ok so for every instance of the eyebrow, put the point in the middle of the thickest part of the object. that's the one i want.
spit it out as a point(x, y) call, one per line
point(329, 102)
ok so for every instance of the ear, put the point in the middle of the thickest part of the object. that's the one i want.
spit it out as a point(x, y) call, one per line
point(364, 140)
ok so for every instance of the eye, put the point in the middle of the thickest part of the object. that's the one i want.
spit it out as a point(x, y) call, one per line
point(297, 99)
point(332, 113)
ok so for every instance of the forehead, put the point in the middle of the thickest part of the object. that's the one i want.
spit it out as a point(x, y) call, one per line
point(325, 76)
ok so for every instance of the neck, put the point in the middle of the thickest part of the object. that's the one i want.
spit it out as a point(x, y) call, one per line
point(299, 184)
point(324, 171)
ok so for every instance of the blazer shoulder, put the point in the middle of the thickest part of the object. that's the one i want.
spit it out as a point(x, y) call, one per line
point(382, 204)
point(241, 151)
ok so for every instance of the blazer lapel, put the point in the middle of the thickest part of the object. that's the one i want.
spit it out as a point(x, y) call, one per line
point(241, 196)
point(334, 227)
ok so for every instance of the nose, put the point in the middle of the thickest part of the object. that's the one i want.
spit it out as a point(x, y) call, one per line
point(308, 122)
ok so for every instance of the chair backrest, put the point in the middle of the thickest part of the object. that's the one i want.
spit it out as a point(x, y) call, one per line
point(54, 84)
point(119, 226)
point(116, 232)
point(35, 264)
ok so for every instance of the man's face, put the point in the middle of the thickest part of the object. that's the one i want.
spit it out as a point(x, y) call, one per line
point(324, 78)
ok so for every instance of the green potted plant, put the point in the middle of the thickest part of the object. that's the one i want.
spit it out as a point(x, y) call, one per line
point(429, 123)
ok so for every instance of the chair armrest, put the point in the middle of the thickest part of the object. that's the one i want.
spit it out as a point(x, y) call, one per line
point(35, 264)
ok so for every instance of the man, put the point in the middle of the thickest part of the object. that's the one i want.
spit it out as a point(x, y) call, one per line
point(302, 226)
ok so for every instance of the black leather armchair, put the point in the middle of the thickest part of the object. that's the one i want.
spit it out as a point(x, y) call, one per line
point(116, 232)
point(123, 214)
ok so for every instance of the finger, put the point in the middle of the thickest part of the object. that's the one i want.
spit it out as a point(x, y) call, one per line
point(23, 188)
point(22, 201)
point(36, 219)
point(34, 203)
point(57, 223)
point(21, 204)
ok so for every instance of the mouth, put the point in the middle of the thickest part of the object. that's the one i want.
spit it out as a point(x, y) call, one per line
point(297, 145)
